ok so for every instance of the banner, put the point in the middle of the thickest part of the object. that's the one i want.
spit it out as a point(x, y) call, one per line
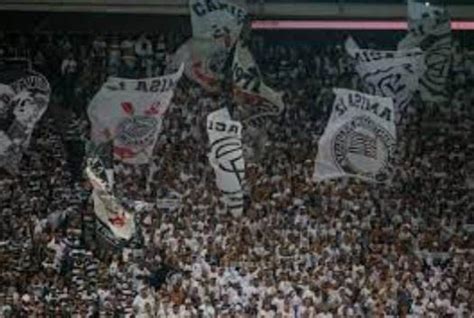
point(24, 98)
point(359, 140)
point(168, 204)
point(260, 100)
point(204, 63)
point(130, 112)
point(108, 209)
point(226, 157)
point(217, 25)
point(219, 20)
point(394, 74)
point(430, 30)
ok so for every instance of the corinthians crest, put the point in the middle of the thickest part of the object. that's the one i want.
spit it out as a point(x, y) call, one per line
point(137, 131)
point(362, 147)
point(359, 140)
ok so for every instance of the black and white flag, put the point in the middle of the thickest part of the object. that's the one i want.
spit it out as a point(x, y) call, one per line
point(226, 157)
point(24, 98)
point(130, 113)
point(216, 25)
point(359, 140)
point(259, 101)
point(109, 210)
point(430, 29)
point(394, 74)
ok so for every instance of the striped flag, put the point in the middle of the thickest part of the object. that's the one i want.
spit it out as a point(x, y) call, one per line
point(364, 145)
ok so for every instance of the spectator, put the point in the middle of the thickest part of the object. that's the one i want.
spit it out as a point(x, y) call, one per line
point(346, 249)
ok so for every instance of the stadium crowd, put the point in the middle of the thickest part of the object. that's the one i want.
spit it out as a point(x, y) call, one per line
point(339, 249)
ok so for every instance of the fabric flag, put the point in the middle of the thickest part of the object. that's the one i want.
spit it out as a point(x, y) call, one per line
point(351, 44)
point(217, 25)
point(203, 65)
point(107, 207)
point(394, 74)
point(130, 112)
point(260, 100)
point(430, 30)
point(109, 210)
point(183, 56)
point(226, 157)
point(24, 98)
point(359, 140)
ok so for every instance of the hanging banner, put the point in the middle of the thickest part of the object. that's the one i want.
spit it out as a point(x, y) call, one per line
point(359, 140)
point(24, 98)
point(216, 25)
point(394, 74)
point(130, 112)
point(108, 209)
point(259, 100)
point(226, 157)
point(430, 29)
point(217, 19)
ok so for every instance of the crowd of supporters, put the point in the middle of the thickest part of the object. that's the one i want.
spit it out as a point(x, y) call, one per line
point(338, 249)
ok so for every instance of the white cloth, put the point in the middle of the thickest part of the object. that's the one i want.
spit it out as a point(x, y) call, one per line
point(359, 139)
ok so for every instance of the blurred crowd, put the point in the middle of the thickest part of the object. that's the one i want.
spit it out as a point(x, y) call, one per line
point(338, 249)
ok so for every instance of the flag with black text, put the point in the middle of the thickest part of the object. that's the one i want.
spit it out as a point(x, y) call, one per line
point(226, 157)
point(359, 140)
point(24, 98)
point(130, 112)
point(430, 29)
point(394, 74)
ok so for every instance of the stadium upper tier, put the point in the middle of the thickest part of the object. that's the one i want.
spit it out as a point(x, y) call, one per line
point(269, 9)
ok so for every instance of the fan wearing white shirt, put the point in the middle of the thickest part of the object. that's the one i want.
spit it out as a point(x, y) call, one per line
point(144, 304)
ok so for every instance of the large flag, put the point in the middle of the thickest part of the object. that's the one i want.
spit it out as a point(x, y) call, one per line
point(359, 140)
point(430, 30)
point(394, 74)
point(108, 209)
point(226, 157)
point(217, 25)
point(204, 63)
point(130, 112)
point(259, 100)
point(24, 98)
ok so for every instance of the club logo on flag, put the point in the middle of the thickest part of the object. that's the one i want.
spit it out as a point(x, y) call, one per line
point(394, 74)
point(226, 157)
point(24, 98)
point(130, 112)
point(362, 147)
point(359, 140)
point(430, 29)
point(138, 130)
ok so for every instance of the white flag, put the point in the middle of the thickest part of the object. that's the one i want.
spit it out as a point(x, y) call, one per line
point(217, 25)
point(24, 98)
point(430, 29)
point(130, 112)
point(359, 140)
point(259, 101)
point(394, 74)
point(204, 62)
point(226, 157)
point(219, 20)
point(351, 44)
point(108, 209)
